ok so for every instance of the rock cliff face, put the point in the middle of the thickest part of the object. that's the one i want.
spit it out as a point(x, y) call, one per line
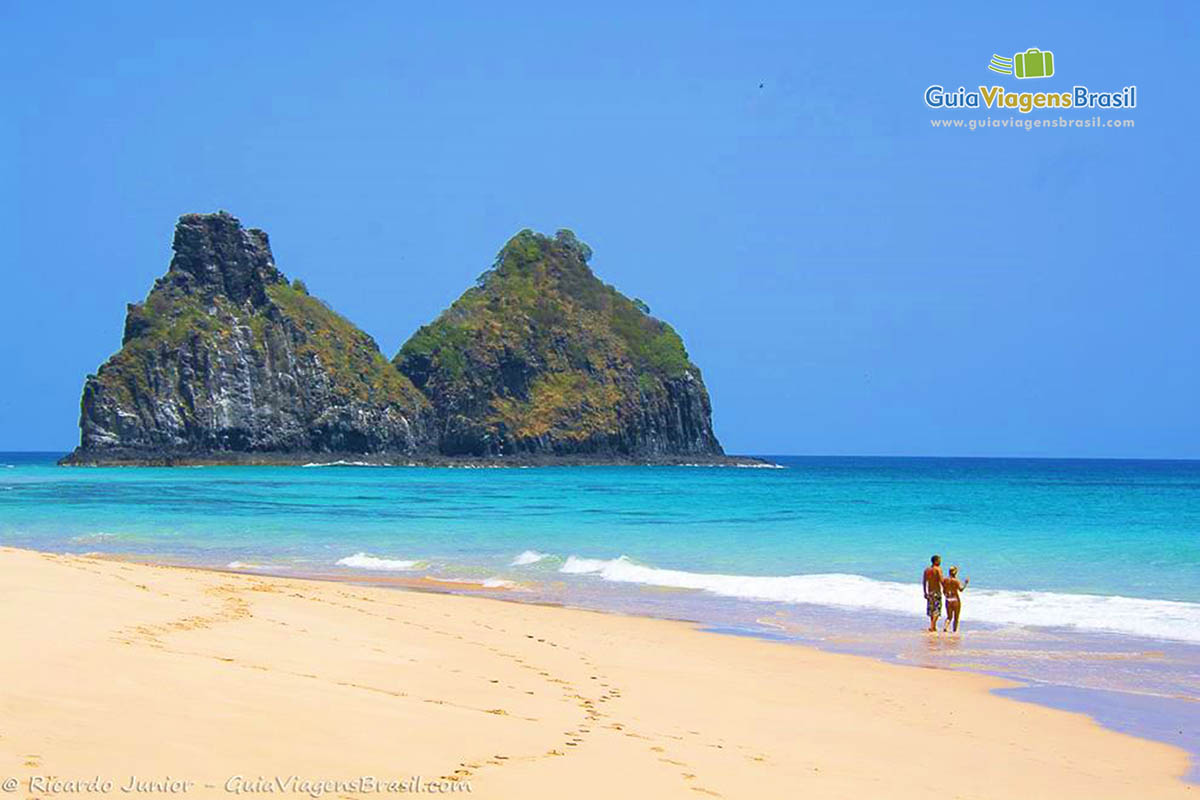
point(225, 361)
point(542, 358)
point(226, 357)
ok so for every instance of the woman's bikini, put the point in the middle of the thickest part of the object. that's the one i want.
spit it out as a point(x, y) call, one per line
point(950, 588)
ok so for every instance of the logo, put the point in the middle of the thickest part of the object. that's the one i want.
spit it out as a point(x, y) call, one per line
point(1033, 63)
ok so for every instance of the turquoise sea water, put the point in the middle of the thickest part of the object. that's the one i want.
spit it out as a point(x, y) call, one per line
point(1085, 575)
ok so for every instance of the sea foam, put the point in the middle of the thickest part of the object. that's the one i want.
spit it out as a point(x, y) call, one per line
point(92, 537)
point(487, 583)
point(528, 557)
point(342, 464)
point(1160, 619)
point(364, 561)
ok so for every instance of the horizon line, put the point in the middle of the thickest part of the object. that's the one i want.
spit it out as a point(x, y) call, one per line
point(60, 452)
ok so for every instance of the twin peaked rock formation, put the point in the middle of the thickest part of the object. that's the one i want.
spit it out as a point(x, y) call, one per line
point(226, 361)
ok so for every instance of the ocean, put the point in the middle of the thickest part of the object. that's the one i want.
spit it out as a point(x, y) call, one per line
point(1085, 575)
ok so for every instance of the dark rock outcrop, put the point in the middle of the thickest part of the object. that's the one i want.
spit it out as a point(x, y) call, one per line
point(542, 358)
point(540, 362)
point(226, 357)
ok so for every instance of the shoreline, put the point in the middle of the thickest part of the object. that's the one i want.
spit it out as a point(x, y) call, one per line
point(1154, 719)
point(702, 675)
point(316, 459)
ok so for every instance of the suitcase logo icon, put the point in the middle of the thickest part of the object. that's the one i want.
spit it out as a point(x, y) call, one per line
point(1033, 63)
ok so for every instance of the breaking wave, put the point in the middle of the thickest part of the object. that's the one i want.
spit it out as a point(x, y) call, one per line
point(93, 537)
point(365, 561)
point(1160, 619)
point(528, 557)
point(342, 464)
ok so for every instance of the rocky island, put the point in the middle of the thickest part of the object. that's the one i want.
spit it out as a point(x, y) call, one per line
point(226, 361)
point(542, 358)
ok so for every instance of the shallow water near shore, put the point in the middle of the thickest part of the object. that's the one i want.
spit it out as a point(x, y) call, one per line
point(1085, 574)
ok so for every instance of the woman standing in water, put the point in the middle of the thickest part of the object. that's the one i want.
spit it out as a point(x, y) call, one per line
point(951, 586)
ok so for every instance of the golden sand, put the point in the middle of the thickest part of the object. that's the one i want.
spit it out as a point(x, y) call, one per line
point(228, 683)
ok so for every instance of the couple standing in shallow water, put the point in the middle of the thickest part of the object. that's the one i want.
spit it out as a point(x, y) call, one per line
point(935, 586)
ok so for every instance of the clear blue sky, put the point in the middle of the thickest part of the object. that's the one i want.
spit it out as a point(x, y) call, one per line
point(849, 279)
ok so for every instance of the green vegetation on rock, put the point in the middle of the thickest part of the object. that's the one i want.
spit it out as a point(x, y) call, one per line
point(351, 358)
point(225, 355)
point(539, 358)
point(542, 356)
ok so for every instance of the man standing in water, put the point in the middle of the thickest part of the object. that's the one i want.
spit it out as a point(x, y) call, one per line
point(931, 581)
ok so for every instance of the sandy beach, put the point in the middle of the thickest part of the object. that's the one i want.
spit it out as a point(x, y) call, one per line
point(212, 684)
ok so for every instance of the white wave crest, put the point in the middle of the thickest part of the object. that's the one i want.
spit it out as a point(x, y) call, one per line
point(528, 557)
point(1160, 619)
point(365, 561)
point(574, 565)
point(487, 583)
point(92, 537)
point(764, 465)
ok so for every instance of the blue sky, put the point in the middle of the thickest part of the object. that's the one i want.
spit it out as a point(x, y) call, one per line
point(851, 280)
